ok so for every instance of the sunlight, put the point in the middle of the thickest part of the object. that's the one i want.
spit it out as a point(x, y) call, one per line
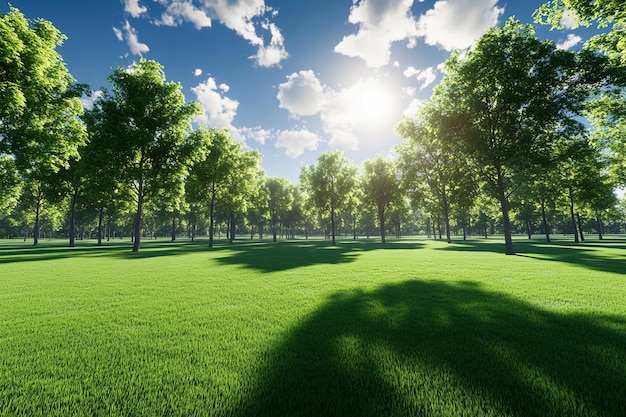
point(371, 103)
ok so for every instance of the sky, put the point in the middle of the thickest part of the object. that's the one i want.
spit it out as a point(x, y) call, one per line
point(289, 78)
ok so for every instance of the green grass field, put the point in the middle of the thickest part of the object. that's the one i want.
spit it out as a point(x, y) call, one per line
point(300, 328)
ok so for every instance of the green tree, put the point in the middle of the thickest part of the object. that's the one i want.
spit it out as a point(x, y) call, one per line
point(39, 99)
point(510, 95)
point(10, 185)
point(148, 120)
point(606, 13)
point(381, 187)
point(431, 165)
point(280, 201)
point(329, 183)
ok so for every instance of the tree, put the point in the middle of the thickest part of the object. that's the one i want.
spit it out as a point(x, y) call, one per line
point(10, 185)
point(147, 120)
point(380, 186)
point(280, 201)
point(39, 100)
point(509, 96)
point(328, 184)
point(583, 12)
point(431, 165)
point(223, 175)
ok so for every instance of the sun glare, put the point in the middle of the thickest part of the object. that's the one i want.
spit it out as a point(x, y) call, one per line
point(371, 103)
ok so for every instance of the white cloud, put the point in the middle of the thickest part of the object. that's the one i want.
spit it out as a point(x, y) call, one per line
point(380, 23)
point(133, 7)
point(275, 52)
point(569, 19)
point(425, 77)
point(571, 41)
point(362, 107)
point(302, 94)
point(179, 11)
point(88, 101)
point(296, 142)
point(118, 34)
point(257, 134)
point(218, 111)
point(456, 24)
point(413, 107)
point(129, 34)
point(197, 72)
point(248, 18)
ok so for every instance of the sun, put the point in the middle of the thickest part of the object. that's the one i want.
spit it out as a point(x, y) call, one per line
point(371, 102)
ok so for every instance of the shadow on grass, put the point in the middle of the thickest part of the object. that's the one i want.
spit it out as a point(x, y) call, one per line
point(120, 249)
point(435, 349)
point(264, 256)
point(611, 259)
point(285, 255)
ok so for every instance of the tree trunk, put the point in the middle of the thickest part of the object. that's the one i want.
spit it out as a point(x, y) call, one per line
point(446, 213)
point(381, 219)
point(137, 222)
point(274, 232)
point(571, 211)
point(600, 227)
point(332, 224)
point(544, 220)
point(580, 227)
point(173, 228)
point(100, 222)
point(37, 213)
point(232, 227)
point(506, 222)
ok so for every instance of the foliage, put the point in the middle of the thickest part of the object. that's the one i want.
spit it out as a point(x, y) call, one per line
point(329, 183)
point(510, 98)
point(39, 100)
point(380, 187)
point(146, 121)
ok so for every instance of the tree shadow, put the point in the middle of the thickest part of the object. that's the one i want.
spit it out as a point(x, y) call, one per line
point(431, 349)
point(119, 249)
point(584, 254)
point(285, 255)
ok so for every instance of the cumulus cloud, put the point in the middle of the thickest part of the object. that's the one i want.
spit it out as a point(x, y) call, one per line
point(569, 20)
point(274, 53)
point(129, 34)
point(179, 11)
point(257, 134)
point(571, 41)
point(343, 112)
point(302, 94)
point(250, 19)
point(88, 101)
point(380, 23)
point(218, 110)
point(425, 77)
point(197, 72)
point(296, 142)
point(456, 24)
point(133, 8)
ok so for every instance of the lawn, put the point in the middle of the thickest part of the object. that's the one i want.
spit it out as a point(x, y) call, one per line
point(411, 328)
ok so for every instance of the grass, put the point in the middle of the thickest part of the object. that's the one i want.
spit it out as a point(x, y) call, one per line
point(300, 328)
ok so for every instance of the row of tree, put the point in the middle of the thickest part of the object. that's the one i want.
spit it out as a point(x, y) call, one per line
point(503, 129)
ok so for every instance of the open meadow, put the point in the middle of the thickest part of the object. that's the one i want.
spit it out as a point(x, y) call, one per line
point(414, 327)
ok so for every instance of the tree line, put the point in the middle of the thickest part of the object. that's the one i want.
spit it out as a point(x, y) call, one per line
point(518, 137)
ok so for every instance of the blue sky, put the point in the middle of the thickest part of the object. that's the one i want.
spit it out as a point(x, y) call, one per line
point(290, 78)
